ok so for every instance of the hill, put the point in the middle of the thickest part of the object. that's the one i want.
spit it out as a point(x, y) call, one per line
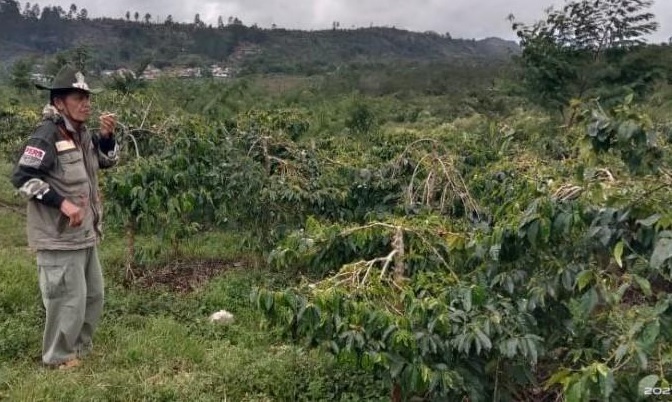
point(114, 43)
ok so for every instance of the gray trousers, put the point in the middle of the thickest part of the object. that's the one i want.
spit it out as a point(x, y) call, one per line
point(71, 283)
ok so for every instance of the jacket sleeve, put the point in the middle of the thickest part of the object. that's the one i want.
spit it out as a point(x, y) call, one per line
point(107, 150)
point(37, 159)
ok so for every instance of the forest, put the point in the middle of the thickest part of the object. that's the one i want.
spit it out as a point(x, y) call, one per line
point(31, 33)
point(448, 229)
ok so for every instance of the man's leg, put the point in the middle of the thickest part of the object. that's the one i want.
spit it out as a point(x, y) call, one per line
point(94, 301)
point(63, 287)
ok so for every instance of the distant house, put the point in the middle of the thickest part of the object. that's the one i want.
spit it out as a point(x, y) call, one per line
point(190, 73)
point(121, 72)
point(39, 78)
point(220, 72)
point(151, 73)
point(216, 71)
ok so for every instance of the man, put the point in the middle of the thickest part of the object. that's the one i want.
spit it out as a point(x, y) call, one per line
point(57, 173)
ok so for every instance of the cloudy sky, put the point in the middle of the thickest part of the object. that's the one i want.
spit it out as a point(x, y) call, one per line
point(462, 18)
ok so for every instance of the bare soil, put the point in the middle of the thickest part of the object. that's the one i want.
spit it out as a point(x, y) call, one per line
point(183, 275)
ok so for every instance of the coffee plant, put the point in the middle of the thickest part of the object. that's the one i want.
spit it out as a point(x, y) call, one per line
point(573, 281)
point(503, 256)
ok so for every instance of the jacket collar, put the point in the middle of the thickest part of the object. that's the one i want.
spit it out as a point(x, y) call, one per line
point(51, 113)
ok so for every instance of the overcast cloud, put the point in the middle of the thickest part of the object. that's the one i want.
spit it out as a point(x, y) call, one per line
point(462, 18)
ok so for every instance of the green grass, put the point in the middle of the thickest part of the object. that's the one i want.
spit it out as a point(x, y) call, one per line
point(155, 345)
point(12, 228)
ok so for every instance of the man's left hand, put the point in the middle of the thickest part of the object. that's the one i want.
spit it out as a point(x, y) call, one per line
point(108, 123)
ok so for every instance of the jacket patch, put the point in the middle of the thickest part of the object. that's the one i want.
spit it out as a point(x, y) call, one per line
point(32, 157)
point(62, 146)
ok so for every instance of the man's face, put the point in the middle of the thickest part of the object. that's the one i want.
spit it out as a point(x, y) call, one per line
point(76, 106)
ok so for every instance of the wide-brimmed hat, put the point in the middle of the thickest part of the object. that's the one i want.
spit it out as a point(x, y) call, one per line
point(69, 77)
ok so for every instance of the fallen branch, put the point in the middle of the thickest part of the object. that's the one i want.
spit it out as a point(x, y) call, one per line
point(605, 172)
point(144, 118)
point(433, 141)
point(398, 230)
point(567, 192)
point(440, 175)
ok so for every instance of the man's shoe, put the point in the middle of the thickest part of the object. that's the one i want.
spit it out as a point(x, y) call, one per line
point(70, 364)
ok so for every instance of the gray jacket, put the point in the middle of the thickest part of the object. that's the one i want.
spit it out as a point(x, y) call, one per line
point(58, 163)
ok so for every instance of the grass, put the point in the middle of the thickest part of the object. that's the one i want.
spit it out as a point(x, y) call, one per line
point(156, 345)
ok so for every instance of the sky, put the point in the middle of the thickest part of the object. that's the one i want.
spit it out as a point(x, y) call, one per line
point(461, 18)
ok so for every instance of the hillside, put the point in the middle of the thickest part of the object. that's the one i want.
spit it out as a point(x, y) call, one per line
point(113, 43)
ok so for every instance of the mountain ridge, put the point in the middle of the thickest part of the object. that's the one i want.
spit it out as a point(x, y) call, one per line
point(116, 43)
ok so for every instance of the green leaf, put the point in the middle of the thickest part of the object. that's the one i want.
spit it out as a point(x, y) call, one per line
point(397, 365)
point(532, 349)
point(620, 352)
point(510, 347)
point(533, 232)
point(643, 360)
point(618, 253)
point(575, 393)
point(607, 383)
point(426, 374)
point(302, 311)
point(268, 301)
point(485, 341)
point(466, 299)
point(583, 279)
point(661, 253)
point(567, 279)
point(589, 301)
point(644, 284)
point(650, 221)
point(388, 332)
point(559, 377)
point(602, 369)
point(562, 223)
point(647, 382)
point(650, 334)
point(410, 377)
point(627, 129)
point(509, 286)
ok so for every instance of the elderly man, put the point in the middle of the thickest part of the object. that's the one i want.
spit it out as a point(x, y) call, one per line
point(57, 173)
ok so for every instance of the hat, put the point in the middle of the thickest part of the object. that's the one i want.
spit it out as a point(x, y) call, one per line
point(69, 77)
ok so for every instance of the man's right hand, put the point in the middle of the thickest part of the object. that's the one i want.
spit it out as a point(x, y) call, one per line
point(72, 211)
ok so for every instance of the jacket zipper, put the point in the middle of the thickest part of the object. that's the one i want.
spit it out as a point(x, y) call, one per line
point(92, 194)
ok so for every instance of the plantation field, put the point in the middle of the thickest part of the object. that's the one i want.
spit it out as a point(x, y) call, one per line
point(405, 232)
point(156, 344)
point(352, 262)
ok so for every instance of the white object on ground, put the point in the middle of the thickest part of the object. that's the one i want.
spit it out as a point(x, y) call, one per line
point(222, 317)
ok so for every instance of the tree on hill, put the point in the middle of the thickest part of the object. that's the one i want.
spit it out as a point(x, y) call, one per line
point(31, 11)
point(34, 12)
point(10, 14)
point(72, 12)
point(81, 57)
point(20, 74)
point(563, 54)
point(198, 23)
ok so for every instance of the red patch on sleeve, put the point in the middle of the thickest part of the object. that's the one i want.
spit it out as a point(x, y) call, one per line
point(34, 152)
